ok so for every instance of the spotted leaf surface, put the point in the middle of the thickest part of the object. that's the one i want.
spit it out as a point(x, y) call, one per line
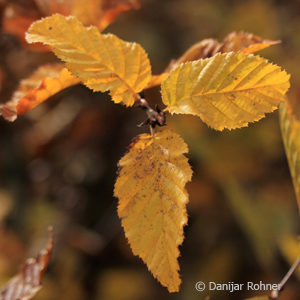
point(152, 201)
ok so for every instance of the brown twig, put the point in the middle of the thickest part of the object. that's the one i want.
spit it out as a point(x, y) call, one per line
point(155, 116)
point(276, 293)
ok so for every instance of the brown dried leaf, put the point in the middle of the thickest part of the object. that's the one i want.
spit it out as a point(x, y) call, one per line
point(235, 41)
point(46, 81)
point(245, 42)
point(203, 49)
point(28, 282)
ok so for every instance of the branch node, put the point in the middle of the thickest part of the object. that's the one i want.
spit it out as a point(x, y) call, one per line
point(155, 116)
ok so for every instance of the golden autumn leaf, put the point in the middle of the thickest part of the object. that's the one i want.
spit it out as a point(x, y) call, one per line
point(290, 130)
point(28, 282)
point(152, 198)
point(45, 82)
point(235, 41)
point(102, 62)
point(226, 91)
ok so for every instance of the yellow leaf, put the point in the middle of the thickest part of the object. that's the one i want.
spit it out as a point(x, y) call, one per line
point(290, 130)
point(227, 90)
point(152, 199)
point(45, 82)
point(102, 62)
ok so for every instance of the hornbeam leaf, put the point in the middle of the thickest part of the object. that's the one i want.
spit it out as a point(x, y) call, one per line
point(203, 49)
point(290, 130)
point(245, 42)
point(235, 41)
point(228, 90)
point(102, 62)
point(152, 200)
point(45, 82)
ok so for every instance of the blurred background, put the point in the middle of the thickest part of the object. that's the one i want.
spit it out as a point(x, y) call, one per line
point(58, 165)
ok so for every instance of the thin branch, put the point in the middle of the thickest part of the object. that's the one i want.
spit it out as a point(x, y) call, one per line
point(154, 116)
point(275, 294)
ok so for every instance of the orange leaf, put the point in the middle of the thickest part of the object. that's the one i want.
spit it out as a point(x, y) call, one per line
point(16, 22)
point(113, 8)
point(46, 81)
point(156, 80)
point(92, 12)
point(101, 13)
point(28, 282)
point(49, 7)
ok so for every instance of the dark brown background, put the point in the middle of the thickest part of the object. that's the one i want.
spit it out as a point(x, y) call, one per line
point(58, 165)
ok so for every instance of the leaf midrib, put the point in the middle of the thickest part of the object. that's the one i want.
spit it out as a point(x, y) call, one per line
point(226, 92)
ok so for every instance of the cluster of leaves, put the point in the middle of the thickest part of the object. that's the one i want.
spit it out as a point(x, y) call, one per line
point(221, 82)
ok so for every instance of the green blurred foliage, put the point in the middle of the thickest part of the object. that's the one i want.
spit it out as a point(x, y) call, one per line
point(58, 165)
